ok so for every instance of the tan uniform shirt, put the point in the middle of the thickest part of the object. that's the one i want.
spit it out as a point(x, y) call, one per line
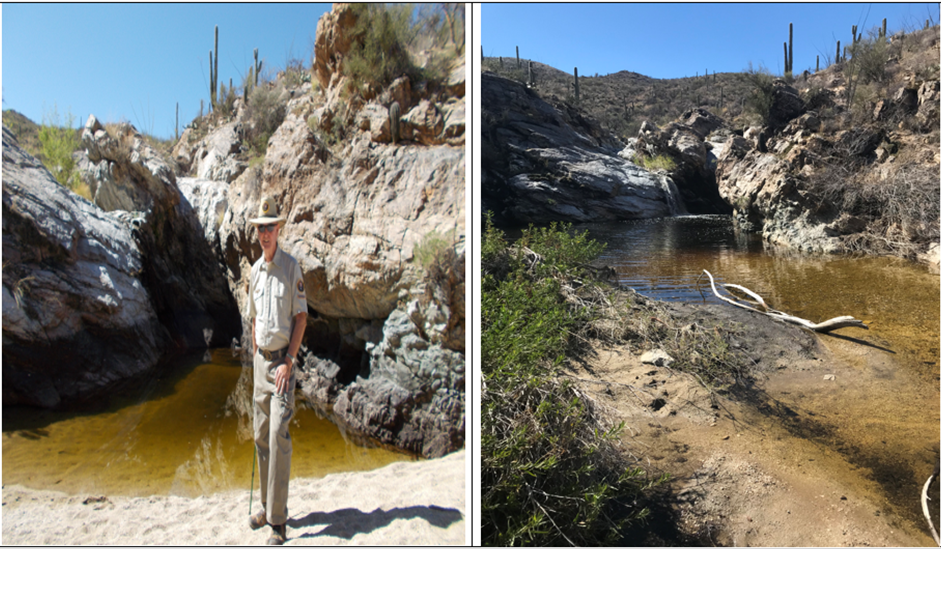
point(276, 296)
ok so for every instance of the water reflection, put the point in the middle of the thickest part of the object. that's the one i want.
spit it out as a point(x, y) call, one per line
point(186, 429)
point(664, 259)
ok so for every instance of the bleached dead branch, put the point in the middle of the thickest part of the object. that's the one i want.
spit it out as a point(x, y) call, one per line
point(829, 325)
point(924, 505)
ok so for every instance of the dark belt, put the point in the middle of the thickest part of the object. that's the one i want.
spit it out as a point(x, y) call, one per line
point(271, 355)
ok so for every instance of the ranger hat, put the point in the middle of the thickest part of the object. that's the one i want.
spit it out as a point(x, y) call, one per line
point(267, 212)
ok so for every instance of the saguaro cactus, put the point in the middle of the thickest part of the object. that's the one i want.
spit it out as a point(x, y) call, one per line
point(838, 51)
point(212, 83)
point(532, 76)
point(517, 57)
point(884, 31)
point(257, 67)
point(214, 72)
point(395, 114)
point(790, 49)
point(576, 85)
point(787, 67)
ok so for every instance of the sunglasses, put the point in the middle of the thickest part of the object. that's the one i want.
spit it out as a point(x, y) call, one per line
point(266, 228)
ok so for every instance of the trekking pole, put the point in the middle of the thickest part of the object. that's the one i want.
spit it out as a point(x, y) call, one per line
point(251, 490)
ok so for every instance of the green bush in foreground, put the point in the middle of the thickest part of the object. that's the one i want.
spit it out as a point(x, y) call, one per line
point(551, 471)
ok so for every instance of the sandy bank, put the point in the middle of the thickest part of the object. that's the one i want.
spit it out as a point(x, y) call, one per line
point(405, 503)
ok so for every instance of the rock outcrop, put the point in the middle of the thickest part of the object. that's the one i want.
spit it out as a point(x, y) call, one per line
point(180, 272)
point(693, 142)
point(77, 316)
point(163, 262)
point(413, 397)
point(377, 228)
point(791, 180)
point(542, 164)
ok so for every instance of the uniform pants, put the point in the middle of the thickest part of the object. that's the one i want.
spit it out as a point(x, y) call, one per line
point(273, 414)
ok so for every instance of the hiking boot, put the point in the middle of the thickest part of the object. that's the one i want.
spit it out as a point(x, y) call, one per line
point(258, 520)
point(279, 534)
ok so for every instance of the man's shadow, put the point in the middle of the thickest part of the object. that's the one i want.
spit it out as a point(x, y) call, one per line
point(347, 522)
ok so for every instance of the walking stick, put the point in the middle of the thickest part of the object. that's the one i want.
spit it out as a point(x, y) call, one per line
point(251, 490)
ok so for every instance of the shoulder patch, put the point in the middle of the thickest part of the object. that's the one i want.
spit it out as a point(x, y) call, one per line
point(300, 286)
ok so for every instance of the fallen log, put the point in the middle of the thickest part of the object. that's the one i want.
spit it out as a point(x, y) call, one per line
point(828, 325)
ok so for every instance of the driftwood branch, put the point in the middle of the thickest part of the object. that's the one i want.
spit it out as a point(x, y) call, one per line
point(763, 308)
point(924, 505)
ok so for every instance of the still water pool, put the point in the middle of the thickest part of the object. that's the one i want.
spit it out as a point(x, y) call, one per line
point(883, 418)
point(664, 258)
point(185, 429)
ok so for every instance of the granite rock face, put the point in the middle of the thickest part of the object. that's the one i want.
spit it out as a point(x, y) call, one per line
point(693, 142)
point(98, 291)
point(180, 271)
point(542, 164)
point(376, 227)
point(77, 316)
point(414, 395)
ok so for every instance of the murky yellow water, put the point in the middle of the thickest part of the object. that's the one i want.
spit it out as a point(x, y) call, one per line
point(882, 411)
point(185, 430)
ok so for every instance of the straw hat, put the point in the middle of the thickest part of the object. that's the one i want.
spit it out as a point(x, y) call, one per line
point(267, 212)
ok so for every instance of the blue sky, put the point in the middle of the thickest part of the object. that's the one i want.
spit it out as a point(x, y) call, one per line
point(134, 62)
point(668, 41)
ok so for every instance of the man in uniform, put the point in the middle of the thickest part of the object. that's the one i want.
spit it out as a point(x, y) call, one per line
point(277, 307)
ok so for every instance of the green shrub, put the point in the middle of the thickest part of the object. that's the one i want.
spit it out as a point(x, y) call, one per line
point(758, 100)
point(265, 114)
point(868, 60)
point(431, 246)
point(660, 162)
point(387, 35)
point(438, 256)
point(58, 140)
point(551, 472)
point(381, 56)
point(225, 102)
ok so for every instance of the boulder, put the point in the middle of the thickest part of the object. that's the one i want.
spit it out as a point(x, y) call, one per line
point(928, 102)
point(333, 42)
point(423, 124)
point(695, 156)
point(906, 100)
point(701, 121)
point(76, 314)
point(767, 196)
point(209, 201)
point(413, 397)
point(656, 357)
point(124, 172)
point(786, 104)
point(219, 158)
point(353, 221)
